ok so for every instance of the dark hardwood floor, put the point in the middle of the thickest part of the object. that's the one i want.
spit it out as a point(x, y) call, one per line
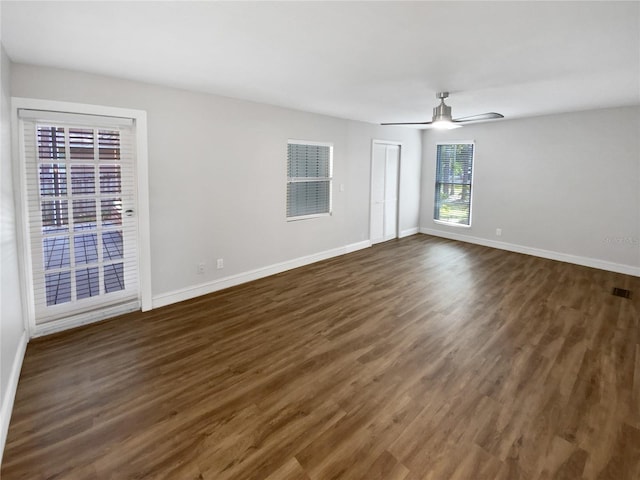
point(420, 358)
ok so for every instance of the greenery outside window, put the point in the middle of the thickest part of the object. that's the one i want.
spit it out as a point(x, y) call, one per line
point(454, 173)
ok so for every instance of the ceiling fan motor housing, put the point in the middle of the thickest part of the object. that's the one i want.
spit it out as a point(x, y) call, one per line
point(442, 113)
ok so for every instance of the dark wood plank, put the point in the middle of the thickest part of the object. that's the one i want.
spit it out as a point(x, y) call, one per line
point(420, 358)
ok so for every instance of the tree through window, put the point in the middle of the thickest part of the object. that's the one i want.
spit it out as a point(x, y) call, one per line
point(454, 171)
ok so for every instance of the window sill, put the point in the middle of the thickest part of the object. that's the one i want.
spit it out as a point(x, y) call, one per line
point(307, 217)
point(451, 224)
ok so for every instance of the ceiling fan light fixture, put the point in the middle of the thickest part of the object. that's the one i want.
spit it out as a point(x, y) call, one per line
point(444, 125)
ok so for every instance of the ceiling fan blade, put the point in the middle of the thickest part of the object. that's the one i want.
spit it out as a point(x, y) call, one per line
point(408, 123)
point(481, 116)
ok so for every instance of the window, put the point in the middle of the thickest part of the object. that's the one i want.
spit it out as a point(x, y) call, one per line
point(454, 171)
point(309, 176)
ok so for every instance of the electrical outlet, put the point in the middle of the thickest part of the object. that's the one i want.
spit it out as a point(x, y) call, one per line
point(220, 263)
point(200, 268)
point(498, 232)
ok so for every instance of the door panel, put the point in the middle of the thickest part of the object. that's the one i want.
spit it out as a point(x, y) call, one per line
point(378, 167)
point(391, 192)
point(385, 165)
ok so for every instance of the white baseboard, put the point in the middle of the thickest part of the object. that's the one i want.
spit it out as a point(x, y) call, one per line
point(538, 252)
point(10, 394)
point(352, 247)
point(85, 318)
point(408, 232)
point(233, 280)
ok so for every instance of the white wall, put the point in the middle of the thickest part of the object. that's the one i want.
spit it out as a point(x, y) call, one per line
point(568, 184)
point(12, 339)
point(218, 175)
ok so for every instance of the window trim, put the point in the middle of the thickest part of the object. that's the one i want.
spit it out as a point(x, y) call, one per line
point(471, 191)
point(312, 179)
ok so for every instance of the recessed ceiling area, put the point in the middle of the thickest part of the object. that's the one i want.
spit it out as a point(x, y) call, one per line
point(369, 61)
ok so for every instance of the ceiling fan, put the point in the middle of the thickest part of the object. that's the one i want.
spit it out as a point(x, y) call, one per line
point(442, 116)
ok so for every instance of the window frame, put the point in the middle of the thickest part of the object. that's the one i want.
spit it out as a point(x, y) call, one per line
point(329, 179)
point(471, 189)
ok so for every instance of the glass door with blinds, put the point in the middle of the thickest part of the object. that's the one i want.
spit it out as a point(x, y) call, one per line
point(82, 223)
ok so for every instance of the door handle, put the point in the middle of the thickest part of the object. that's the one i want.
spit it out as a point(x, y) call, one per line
point(129, 213)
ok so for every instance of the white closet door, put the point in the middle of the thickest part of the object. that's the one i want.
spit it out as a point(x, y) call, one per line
point(385, 165)
point(378, 168)
point(391, 192)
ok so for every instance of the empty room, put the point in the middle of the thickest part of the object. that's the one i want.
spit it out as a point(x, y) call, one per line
point(373, 240)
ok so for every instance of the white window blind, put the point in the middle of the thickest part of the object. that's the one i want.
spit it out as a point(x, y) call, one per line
point(309, 178)
point(80, 184)
point(454, 172)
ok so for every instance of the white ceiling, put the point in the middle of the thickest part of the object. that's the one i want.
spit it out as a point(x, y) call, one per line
point(371, 61)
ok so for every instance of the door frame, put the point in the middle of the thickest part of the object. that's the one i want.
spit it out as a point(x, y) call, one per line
point(22, 217)
point(400, 145)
